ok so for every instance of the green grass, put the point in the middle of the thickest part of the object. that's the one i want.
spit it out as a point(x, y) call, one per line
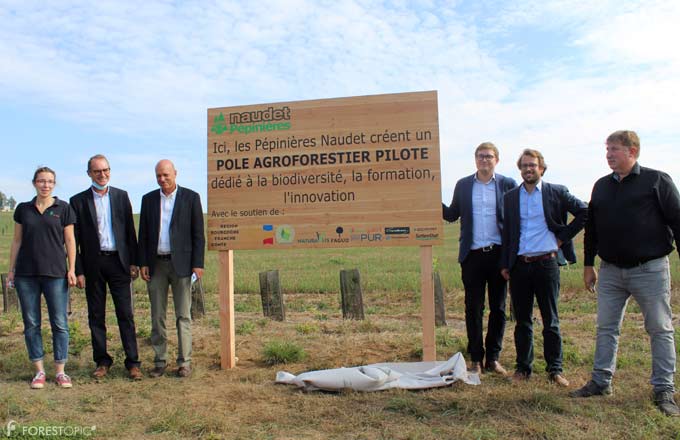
point(282, 352)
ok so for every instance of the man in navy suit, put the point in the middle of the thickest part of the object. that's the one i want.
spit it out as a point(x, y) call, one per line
point(171, 249)
point(106, 254)
point(478, 202)
point(536, 237)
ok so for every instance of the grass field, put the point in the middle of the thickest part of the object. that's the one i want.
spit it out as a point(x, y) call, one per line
point(245, 403)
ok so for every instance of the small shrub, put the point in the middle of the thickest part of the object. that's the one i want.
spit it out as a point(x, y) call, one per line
point(245, 328)
point(282, 352)
point(307, 328)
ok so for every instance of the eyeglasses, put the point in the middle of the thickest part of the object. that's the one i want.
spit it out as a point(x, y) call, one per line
point(102, 171)
point(45, 182)
point(529, 165)
point(485, 157)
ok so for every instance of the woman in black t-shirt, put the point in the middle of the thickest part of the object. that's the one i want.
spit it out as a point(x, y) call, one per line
point(43, 241)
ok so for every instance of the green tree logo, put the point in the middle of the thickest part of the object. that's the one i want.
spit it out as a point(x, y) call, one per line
point(219, 126)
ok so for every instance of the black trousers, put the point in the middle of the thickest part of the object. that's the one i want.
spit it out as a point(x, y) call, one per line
point(540, 279)
point(111, 272)
point(479, 271)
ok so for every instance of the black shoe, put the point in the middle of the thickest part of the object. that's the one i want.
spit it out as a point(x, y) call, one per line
point(664, 400)
point(157, 371)
point(592, 389)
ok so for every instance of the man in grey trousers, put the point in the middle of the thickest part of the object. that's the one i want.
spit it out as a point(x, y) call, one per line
point(633, 217)
point(171, 250)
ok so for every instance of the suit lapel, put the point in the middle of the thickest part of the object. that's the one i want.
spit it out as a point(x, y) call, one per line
point(545, 198)
point(89, 200)
point(175, 206)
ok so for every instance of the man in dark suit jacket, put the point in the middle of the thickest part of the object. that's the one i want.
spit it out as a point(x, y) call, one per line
point(171, 251)
point(535, 236)
point(106, 254)
point(478, 202)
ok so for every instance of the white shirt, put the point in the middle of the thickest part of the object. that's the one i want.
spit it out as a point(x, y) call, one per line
point(102, 204)
point(167, 206)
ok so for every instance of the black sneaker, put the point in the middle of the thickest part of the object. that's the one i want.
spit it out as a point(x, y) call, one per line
point(592, 389)
point(664, 400)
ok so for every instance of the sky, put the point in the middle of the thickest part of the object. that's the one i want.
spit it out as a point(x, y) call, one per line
point(133, 80)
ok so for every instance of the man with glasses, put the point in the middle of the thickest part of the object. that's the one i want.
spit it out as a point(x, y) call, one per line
point(478, 202)
point(536, 236)
point(107, 255)
point(633, 219)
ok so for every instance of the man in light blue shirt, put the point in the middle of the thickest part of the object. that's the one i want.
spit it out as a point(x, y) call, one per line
point(536, 236)
point(478, 202)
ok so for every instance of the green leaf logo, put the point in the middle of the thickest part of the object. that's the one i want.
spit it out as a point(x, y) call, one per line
point(219, 126)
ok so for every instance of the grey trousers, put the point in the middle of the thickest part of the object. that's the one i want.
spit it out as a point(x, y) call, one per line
point(164, 276)
point(650, 285)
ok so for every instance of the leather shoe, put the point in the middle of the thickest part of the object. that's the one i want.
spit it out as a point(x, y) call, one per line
point(519, 377)
point(101, 371)
point(135, 373)
point(496, 367)
point(184, 371)
point(475, 368)
point(558, 379)
point(157, 371)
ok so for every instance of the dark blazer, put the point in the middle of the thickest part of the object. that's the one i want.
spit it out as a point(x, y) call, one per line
point(87, 232)
point(557, 202)
point(461, 207)
point(187, 242)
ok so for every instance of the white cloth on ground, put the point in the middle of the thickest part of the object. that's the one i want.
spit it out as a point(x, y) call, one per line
point(383, 376)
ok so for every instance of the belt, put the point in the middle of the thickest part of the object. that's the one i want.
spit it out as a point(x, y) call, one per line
point(535, 258)
point(485, 249)
point(628, 265)
point(108, 253)
point(163, 256)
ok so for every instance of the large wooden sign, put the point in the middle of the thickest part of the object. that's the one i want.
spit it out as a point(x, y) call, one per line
point(345, 172)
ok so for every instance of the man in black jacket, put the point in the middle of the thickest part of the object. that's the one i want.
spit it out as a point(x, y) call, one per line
point(106, 254)
point(536, 236)
point(633, 219)
point(171, 250)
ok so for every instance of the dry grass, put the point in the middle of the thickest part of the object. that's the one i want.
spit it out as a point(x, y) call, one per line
point(245, 403)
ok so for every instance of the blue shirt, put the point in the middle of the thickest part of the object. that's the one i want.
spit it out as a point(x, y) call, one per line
point(534, 236)
point(485, 230)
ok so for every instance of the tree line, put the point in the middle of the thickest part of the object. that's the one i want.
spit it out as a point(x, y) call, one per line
point(7, 201)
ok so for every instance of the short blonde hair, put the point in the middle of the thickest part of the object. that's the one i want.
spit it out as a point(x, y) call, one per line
point(488, 146)
point(627, 138)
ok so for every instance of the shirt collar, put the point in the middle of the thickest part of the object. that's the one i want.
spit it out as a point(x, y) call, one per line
point(634, 170)
point(172, 194)
point(96, 194)
point(474, 177)
point(539, 186)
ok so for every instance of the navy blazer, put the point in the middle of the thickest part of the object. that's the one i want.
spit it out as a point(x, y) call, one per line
point(187, 241)
point(557, 202)
point(87, 231)
point(461, 207)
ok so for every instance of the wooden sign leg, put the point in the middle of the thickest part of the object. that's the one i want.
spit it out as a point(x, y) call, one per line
point(427, 303)
point(227, 332)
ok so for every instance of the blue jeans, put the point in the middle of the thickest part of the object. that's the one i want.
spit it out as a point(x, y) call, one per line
point(649, 284)
point(56, 297)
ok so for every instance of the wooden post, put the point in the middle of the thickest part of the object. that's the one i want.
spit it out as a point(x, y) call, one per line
point(439, 309)
point(227, 331)
point(197, 300)
point(427, 304)
point(350, 294)
point(272, 299)
point(10, 301)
